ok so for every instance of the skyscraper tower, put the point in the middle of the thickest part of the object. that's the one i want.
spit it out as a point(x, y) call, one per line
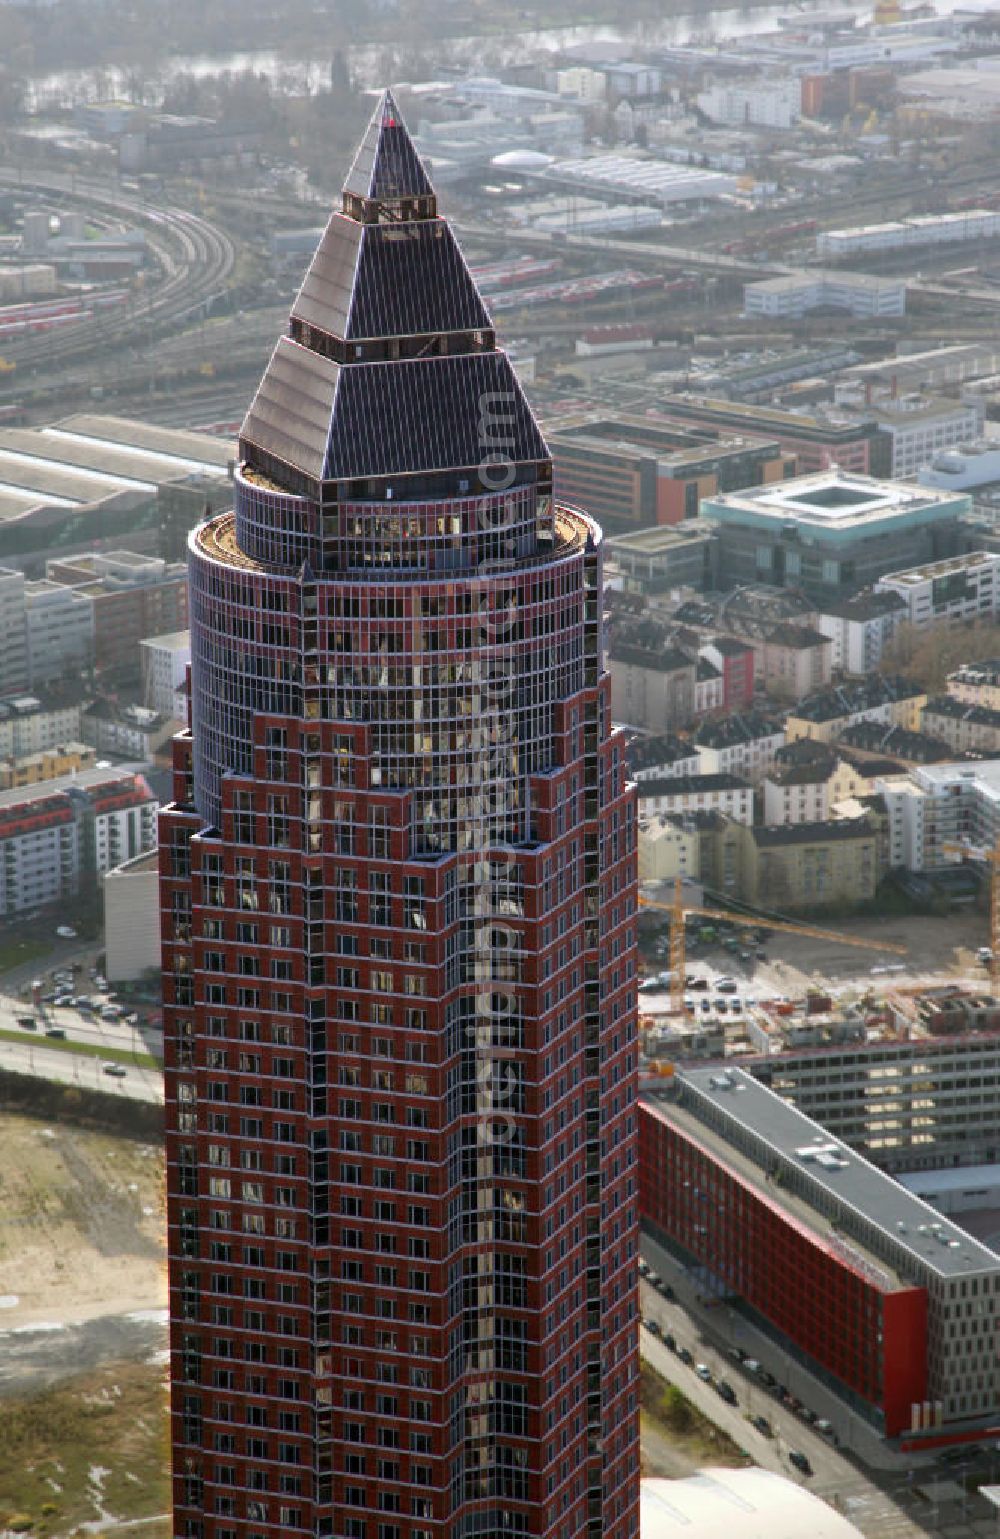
point(398, 901)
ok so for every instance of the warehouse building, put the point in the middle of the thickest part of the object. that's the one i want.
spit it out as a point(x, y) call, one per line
point(92, 482)
point(888, 1302)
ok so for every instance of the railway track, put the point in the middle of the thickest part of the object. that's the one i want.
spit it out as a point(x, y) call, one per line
point(196, 257)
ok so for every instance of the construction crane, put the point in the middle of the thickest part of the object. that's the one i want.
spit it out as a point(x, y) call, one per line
point(679, 910)
point(991, 856)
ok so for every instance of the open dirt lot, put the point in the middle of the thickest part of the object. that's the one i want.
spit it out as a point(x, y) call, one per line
point(936, 951)
point(88, 1456)
point(81, 1224)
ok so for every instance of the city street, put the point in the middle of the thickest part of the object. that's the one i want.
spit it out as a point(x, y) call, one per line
point(40, 1057)
point(882, 1492)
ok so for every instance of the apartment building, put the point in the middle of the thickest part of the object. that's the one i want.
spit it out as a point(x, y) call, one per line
point(860, 627)
point(61, 834)
point(652, 686)
point(890, 699)
point(965, 728)
point(744, 744)
point(729, 794)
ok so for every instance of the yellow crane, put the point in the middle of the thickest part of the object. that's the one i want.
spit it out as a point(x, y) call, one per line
point(678, 911)
point(991, 855)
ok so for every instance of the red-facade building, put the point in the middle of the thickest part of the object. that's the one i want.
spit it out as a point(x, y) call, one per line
point(398, 887)
point(861, 1324)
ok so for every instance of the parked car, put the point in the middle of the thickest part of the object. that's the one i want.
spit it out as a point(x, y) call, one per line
point(721, 1005)
point(668, 1292)
point(727, 1391)
point(763, 1426)
point(800, 1462)
point(643, 1268)
point(55, 1031)
point(653, 1327)
point(27, 1022)
point(62, 1000)
point(685, 1355)
point(696, 983)
point(727, 985)
point(114, 1069)
point(65, 932)
point(826, 1428)
point(704, 1372)
point(670, 1342)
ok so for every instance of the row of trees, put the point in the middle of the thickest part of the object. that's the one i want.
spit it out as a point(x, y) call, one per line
point(929, 656)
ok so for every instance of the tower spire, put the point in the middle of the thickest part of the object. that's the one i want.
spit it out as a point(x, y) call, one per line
point(387, 167)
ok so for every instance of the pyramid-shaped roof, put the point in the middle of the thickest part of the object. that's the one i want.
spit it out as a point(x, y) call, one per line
point(388, 280)
point(387, 165)
point(401, 275)
point(390, 355)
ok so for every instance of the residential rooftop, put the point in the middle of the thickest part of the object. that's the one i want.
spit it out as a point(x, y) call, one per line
point(960, 710)
point(870, 605)
point(740, 727)
point(824, 831)
point(694, 785)
point(848, 699)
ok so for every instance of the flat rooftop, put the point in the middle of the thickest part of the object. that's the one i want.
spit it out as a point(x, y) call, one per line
point(662, 537)
point(914, 575)
point(788, 1138)
point(832, 501)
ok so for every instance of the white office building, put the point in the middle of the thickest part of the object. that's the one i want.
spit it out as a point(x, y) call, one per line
point(753, 104)
point(13, 653)
point(961, 588)
point(922, 428)
point(164, 661)
point(796, 294)
point(59, 632)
